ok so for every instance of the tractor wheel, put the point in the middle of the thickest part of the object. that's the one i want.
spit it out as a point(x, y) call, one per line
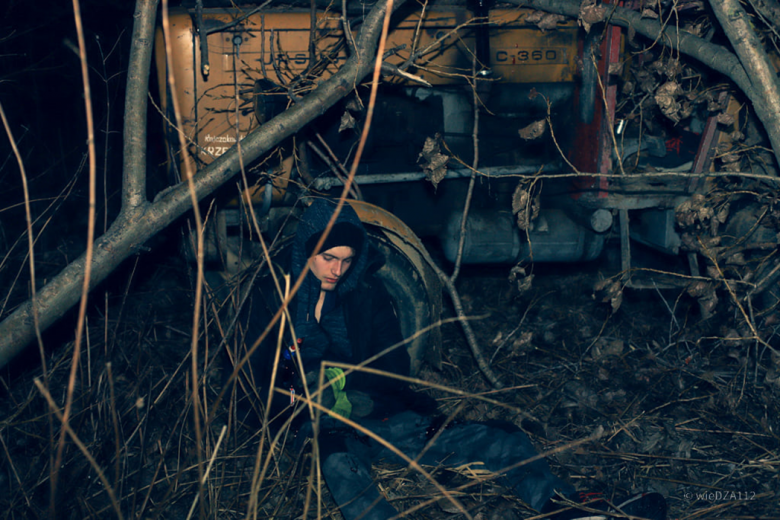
point(417, 309)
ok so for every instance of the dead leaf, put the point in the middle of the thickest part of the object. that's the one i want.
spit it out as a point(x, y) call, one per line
point(646, 80)
point(723, 213)
point(699, 288)
point(520, 198)
point(616, 301)
point(590, 14)
point(725, 119)
point(518, 274)
point(432, 161)
point(550, 21)
point(534, 16)
point(731, 162)
point(649, 444)
point(599, 286)
point(649, 13)
point(609, 290)
point(523, 342)
point(615, 69)
point(694, 213)
point(525, 205)
point(525, 284)
point(666, 98)
point(736, 135)
point(610, 396)
point(686, 109)
point(672, 69)
point(708, 304)
point(534, 130)
point(355, 104)
point(347, 122)
point(438, 168)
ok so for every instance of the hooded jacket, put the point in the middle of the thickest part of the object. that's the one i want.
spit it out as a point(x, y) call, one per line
point(330, 334)
point(358, 320)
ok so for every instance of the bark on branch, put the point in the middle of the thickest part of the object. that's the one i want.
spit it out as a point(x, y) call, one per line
point(766, 101)
point(134, 134)
point(141, 220)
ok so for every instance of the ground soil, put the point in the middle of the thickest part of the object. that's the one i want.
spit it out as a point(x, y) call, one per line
point(647, 397)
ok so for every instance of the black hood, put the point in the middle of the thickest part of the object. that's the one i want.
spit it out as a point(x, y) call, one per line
point(313, 222)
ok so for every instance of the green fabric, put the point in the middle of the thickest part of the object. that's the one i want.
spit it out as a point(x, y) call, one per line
point(338, 380)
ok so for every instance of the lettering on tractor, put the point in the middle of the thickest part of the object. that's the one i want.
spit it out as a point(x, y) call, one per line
point(539, 56)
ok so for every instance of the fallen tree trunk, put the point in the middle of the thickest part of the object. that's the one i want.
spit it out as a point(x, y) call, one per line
point(140, 220)
point(761, 90)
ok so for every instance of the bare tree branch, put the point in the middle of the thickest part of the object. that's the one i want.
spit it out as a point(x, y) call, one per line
point(134, 168)
point(766, 99)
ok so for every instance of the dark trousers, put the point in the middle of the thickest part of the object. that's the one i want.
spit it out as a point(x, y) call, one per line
point(346, 460)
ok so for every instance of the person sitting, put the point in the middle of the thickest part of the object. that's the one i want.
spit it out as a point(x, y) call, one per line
point(343, 314)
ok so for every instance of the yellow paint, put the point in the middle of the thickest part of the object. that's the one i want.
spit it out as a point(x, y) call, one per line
point(275, 45)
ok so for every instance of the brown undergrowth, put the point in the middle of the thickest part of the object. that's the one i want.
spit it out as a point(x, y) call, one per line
point(650, 397)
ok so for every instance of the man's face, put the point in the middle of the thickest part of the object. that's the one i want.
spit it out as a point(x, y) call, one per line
point(329, 266)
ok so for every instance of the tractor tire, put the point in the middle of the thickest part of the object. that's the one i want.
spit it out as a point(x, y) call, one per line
point(417, 310)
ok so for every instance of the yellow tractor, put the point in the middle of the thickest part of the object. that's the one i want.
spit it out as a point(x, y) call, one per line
point(459, 80)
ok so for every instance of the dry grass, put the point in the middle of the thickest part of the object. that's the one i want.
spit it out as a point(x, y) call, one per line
point(684, 411)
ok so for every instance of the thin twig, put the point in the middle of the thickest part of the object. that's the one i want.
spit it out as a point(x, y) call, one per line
point(348, 36)
point(418, 27)
point(668, 308)
point(474, 166)
point(208, 469)
point(312, 35)
point(199, 255)
point(114, 421)
point(90, 246)
point(335, 165)
point(30, 242)
point(471, 338)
